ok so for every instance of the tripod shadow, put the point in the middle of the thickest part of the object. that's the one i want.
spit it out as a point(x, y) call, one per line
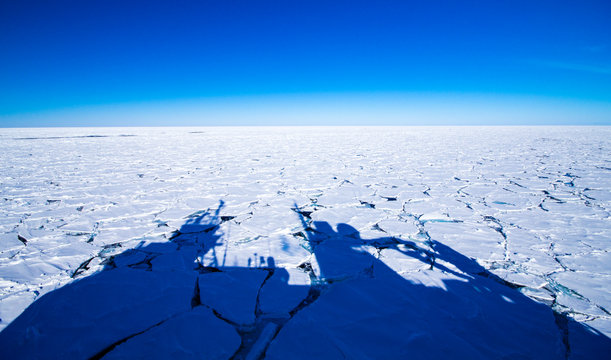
point(161, 301)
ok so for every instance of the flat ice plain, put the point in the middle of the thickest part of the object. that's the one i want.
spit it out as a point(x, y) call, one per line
point(313, 242)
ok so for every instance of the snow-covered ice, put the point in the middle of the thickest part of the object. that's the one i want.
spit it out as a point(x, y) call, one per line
point(305, 242)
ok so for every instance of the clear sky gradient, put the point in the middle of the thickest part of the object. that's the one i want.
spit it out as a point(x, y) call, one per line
point(96, 63)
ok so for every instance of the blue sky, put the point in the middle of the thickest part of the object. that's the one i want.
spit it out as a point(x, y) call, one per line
point(84, 63)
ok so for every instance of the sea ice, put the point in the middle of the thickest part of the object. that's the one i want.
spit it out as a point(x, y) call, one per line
point(306, 242)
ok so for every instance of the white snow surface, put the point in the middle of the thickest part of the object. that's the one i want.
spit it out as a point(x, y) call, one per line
point(333, 235)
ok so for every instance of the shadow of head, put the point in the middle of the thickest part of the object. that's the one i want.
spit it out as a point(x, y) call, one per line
point(343, 230)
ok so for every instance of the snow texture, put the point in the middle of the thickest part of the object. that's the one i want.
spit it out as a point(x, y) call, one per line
point(312, 243)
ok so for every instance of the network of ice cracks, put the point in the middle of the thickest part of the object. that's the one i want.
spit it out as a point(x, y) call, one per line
point(530, 205)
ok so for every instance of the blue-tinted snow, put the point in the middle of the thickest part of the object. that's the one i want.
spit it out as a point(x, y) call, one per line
point(305, 242)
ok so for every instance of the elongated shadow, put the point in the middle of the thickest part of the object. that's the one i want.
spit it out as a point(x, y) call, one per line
point(447, 305)
point(352, 300)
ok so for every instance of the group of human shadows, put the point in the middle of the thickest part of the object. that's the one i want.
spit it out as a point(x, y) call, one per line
point(372, 313)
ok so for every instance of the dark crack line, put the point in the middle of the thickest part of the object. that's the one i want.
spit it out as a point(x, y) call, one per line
point(258, 312)
point(22, 239)
point(94, 232)
point(82, 268)
point(196, 300)
point(428, 241)
point(500, 229)
point(562, 323)
point(112, 346)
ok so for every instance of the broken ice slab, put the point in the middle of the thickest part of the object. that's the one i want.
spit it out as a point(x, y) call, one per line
point(419, 207)
point(283, 291)
point(600, 194)
point(10, 242)
point(517, 278)
point(267, 335)
point(534, 261)
point(586, 342)
point(537, 219)
point(36, 269)
point(269, 220)
point(393, 206)
point(602, 324)
point(182, 260)
point(197, 203)
point(403, 228)
point(435, 216)
point(373, 236)
point(342, 196)
point(102, 309)
point(195, 334)
point(503, 199)
point(13, 305)
point(359, 218)
point(473, 240)
point(232, 293)
point(541, 295)
point(419, 319)
point(341, 258)
point(397, 260)
point(130, 257)
point(592, 262)
point(594, 288)
point(107, 234)
point(175, 217)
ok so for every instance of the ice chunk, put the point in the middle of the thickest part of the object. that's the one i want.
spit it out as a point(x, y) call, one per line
point(196, 334)
point(232, 293)
point(283, 291)
point(96, 311)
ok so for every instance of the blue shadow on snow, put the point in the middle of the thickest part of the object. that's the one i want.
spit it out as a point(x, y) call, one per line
point(158, 301)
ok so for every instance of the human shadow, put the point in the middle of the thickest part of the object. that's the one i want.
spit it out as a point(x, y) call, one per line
point(151, 293)
point(351, 299)
point(447, 305)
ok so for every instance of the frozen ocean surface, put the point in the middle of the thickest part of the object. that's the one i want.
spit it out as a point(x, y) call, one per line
point(305, 242)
